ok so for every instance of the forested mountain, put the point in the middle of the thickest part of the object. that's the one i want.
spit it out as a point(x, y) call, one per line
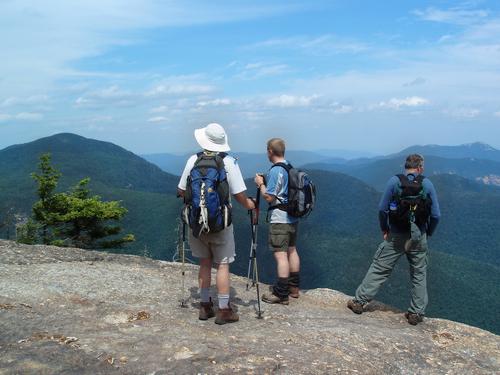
point(475, 150)
point(376, 172)
point(116, 174)
point(336, 242)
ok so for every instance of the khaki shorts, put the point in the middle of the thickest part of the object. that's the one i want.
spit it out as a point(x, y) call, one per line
point(282, 236)
point(218, 246)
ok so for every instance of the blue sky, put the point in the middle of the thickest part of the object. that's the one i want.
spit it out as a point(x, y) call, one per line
point(359, 75)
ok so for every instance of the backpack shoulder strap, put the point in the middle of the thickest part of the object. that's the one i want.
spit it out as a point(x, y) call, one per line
point(286, 166)
point(203, 160)
point(402, 177)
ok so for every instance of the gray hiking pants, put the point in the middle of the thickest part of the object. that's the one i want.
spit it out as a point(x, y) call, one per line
point(384, 261)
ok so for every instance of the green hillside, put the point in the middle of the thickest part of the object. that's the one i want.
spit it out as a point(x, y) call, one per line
point(115, 174)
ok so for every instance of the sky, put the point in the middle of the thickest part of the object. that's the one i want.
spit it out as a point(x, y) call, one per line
point(368, 76)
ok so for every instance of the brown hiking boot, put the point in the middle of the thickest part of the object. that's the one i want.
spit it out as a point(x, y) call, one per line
point(293, 291)
point(206, 310)
point(273, 298)
point(355, 306)
point(413, 318)
point(224, 316)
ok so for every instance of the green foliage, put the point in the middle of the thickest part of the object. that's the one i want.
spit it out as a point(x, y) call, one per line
point(75, 218)
point(27, 233)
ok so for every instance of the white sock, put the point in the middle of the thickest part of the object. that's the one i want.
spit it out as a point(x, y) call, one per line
point(223, 301)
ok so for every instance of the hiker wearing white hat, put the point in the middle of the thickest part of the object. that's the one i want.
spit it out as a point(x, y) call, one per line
point(212, 138)
point(209, 180)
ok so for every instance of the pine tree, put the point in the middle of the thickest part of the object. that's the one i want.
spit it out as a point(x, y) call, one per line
point(75, 218)
point(43, 210)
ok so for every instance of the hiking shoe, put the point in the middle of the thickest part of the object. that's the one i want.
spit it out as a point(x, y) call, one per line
point(206, 310)
point(224, 316)
point(355, 306)
point(413, 318)
point(293, 291)
point(273, 298)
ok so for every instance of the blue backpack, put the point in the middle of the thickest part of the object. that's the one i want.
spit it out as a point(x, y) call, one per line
point(207, 199)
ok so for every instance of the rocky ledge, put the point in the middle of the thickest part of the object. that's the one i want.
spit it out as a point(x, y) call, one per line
point(72, 311)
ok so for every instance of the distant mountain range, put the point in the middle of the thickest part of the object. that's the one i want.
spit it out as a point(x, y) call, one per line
point(477, 150)
point(336, 242)
point(476, 161)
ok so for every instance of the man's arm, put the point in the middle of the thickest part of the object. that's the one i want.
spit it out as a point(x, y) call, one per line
point(246, 202)
point(383, 213)
point(259, 181)
point(435, 211)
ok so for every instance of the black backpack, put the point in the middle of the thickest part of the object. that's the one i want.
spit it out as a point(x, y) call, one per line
point(301, 192)
point(409, 203)
point(207, 199)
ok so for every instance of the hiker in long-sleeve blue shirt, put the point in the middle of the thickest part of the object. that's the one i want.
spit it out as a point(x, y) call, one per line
point(391, 190)
point(408, 213)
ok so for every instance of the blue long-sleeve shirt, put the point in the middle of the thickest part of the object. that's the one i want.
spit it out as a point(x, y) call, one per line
point(391, 189)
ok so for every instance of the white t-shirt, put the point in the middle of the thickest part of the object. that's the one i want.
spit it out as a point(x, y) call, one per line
point(234, 176)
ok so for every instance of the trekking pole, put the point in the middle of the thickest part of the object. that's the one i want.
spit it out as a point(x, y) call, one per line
point(254, 221)
point(182, 249)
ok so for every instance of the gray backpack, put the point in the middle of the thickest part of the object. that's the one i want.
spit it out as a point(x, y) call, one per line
point(301, 192)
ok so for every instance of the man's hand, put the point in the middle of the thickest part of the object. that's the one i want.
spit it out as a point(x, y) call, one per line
point(259, 180)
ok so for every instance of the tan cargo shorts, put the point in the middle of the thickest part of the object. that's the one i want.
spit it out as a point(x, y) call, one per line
point(218, 246)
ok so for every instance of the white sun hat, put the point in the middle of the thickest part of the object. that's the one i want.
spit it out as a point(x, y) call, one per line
point(212, 138)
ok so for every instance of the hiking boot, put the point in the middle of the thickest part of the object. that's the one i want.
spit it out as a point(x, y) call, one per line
point(224, 316)
point(206, 310)
point(293, 291)
point(273, 298)
point(413, 318)
point(355, 306)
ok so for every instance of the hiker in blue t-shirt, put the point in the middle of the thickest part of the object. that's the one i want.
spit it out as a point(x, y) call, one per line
point(408, 214)
point(282, 226)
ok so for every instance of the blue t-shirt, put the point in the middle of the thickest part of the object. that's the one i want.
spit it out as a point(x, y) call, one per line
point(277, 185)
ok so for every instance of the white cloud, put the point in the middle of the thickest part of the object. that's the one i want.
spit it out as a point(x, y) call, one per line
point(456, 15)
point(288, 101)
point(463, 113)
point(44, 38)
point(319, 45)
point(180, 89)
point(107, 96)
point(341, 108)
point(4, 117)
point(22, 116)
point(159, 109)
point(214, 102)
point(496, 114)
point(158, 119)
point(412, 101)
point(29, 116)
point(416, 82)
point(261, 69)
point(30, 100)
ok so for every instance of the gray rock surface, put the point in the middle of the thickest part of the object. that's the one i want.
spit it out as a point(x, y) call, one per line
point(72, 311)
